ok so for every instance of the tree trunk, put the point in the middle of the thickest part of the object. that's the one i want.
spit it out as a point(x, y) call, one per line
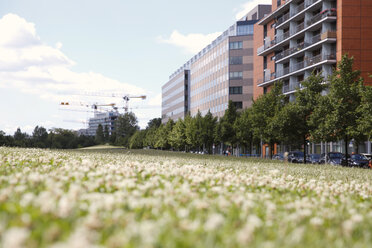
point(346, 150)
point(305, 150)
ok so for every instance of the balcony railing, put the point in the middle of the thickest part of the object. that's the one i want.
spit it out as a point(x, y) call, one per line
point(283, 19)
point(289, 88)
point(297, 10)
point(298, 28)
point(298, 66)
point(301, 46)
point(321, 15)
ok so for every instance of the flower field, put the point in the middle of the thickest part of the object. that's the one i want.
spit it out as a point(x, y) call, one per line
point(121, 198)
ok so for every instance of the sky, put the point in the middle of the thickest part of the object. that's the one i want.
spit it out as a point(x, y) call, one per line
point(54, 51)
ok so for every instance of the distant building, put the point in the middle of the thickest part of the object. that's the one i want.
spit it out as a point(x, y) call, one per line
point(105, 119)
point(222, 71)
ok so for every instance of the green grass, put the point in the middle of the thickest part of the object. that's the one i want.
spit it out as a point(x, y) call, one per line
point(147, 198)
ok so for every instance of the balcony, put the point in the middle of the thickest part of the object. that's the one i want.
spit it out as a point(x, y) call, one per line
point(307, 63)
point(302, 46)
point(280, 38)
point(298, 28)
point(321, 15)
point(291, 88)
point(297, 10)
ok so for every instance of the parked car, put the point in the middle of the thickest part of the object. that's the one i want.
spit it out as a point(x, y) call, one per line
point(313, 158)
point(367, 155)
point(278, 156)
point(355, 160)
point(331, 158)
point(296, 157)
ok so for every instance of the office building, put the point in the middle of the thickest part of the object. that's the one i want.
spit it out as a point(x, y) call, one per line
point(222, 71)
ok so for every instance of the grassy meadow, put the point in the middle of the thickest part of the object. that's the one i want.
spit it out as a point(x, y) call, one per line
point(145, 198)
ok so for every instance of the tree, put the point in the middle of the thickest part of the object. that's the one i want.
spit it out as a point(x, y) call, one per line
point(106, 134)
point(208, 129)
point(264, 110)
point(244, 129)
point(100, 137)
point(162, 135)
point(227, 131)
point(59, 138)
point(177, 137)
point(191, 132)
point(293, 121)
point(340, 111)
point(126, 126)
point(20, 139)
point(154, 123)
point(365, 112)
point(136, 141)
point(40, 137)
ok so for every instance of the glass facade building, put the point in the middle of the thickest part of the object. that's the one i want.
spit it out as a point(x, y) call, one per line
point(220, 72)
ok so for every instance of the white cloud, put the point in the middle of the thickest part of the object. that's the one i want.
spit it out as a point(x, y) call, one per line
point(29, 65)
point(248, 6)
point(155, 101)
point(192, 43)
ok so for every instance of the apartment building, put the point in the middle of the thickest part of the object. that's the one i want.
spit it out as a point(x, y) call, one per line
point(302, 36)
point(222, 71)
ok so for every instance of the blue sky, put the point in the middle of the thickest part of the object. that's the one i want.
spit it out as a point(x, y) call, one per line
point(52, 48)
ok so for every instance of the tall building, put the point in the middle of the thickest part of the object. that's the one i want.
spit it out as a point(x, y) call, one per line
point(302, 36)
point(175, 103)
point(222, 71)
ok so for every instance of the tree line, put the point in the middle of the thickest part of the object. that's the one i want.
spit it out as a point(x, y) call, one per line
point(330, 112)
point(338, 110)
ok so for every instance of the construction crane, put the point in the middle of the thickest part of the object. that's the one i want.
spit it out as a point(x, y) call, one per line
point(125, 97)
point(94, 106)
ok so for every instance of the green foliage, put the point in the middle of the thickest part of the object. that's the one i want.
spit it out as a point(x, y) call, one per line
point(162, 135)
point(177, 137)
point(126, 125)
point(228, 134)
point(100, 136)
point(136, 141)
point(243, 127)
point(106, 134)
point(365, 111)
point(263, 114)
point(336, 116)
point(40, 137)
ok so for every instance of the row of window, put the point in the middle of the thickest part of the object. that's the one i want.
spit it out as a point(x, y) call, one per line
point(238, 60)
point(236, 90)
point(236, 45)
point(236, 75)
point(245, 29)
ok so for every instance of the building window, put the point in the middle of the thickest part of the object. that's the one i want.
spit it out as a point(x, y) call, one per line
point(238, 105)
point(265, 31)
point(279, 2)
point(236, 45)
point(236, 75)
point(236, 90)
point(245, 30)
point(237, 60)
point(265, 90)
point(265, 63)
